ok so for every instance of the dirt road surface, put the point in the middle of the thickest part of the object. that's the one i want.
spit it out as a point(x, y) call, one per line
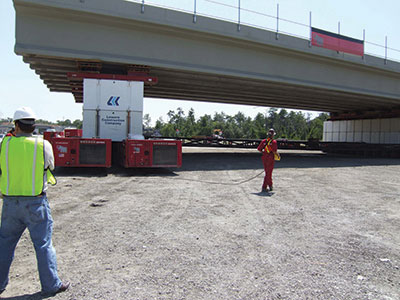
point(330, 230)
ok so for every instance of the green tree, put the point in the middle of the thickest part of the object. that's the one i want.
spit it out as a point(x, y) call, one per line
point(77, 124)
point(272, 118)
point(146, 121)
point(281, 121)
point(168, 130)
point(189, 126)
point(317, 127)
point(205, 125)
point(259, 124)
point(66, 123)
point(41, 121)
point(159, 124)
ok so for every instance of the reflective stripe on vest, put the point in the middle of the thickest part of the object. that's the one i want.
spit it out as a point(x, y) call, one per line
point(22, 166)
point(268, 148)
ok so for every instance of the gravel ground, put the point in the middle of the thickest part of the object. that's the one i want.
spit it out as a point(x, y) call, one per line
point(330, 230)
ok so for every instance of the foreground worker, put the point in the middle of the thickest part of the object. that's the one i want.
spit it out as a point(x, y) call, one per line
point(269, 149)
point(25, 161)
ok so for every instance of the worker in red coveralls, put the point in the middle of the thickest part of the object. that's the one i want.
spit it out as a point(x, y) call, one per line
point(269, 149)
point(11, 132)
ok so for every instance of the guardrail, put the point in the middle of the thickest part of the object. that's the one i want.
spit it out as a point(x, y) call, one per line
point(237, 14)
point(209, 141)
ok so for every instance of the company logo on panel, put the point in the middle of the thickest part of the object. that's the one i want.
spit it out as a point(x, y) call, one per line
point(113, 101)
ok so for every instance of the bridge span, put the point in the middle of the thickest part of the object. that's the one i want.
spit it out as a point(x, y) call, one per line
point(209, 60)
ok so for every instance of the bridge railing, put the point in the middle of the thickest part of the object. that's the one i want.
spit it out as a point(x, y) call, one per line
point(272, 22)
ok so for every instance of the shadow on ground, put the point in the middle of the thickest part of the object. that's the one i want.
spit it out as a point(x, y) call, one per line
point(35, 296)
point(246, 160)
point(214, 161)
point(116, 170)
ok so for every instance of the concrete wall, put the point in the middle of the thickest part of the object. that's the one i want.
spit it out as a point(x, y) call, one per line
point(373, 131)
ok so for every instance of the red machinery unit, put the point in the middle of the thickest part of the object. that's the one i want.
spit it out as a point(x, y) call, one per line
point(70, 150)
point(151, 153)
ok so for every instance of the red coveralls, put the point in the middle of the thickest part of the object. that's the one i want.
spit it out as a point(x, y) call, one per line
point(268, 160)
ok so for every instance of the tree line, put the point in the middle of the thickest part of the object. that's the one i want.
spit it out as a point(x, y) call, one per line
point(293, 125)
point(64, 123)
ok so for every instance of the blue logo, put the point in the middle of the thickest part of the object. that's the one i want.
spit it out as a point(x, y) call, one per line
point(113, 101)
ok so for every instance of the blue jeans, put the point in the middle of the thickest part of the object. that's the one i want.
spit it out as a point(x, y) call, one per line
point(33, 212)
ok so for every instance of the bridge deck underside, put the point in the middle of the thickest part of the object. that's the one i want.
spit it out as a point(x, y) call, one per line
point(186, 85)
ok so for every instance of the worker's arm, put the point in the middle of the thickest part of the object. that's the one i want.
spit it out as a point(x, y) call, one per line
point(274, 146)
point(48, 155)
point(1, 144)
point(261, 146)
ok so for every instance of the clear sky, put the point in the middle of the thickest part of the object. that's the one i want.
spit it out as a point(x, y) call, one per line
point(20, 86)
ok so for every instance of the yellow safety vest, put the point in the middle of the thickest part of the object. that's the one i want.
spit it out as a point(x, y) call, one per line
point(268, 148)
point(22, 166)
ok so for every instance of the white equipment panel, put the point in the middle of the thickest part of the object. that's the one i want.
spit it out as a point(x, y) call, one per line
point(112, 109)
point(372, 131)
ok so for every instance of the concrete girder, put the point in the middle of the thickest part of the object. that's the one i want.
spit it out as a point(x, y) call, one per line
point(203, 61)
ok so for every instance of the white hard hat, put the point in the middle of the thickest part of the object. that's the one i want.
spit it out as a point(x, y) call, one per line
point(25, 115)
point(271, 129)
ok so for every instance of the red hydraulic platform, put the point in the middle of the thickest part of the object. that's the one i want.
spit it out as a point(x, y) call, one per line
point(151, 153)
point(71, 150)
